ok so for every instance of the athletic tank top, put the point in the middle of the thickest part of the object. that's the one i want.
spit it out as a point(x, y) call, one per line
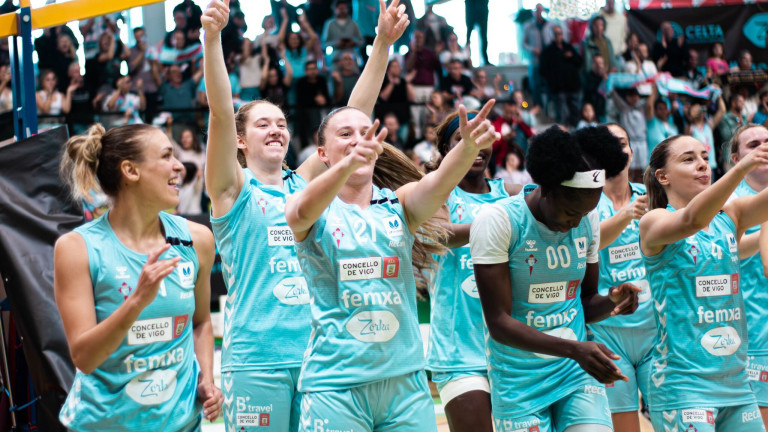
point(364, 317)
point(700, 356)
point(546, 269)
point(622, 262)
point(456, 339)
point(266, 314)
point(753, 288)
point(150, 381)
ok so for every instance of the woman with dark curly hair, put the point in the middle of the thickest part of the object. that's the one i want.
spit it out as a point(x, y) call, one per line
point(542, 371)
point(456, 355)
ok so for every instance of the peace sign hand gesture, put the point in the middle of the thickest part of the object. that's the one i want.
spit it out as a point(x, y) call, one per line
point(477, 133)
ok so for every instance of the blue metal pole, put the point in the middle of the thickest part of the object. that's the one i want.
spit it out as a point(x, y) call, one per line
point(23, 77)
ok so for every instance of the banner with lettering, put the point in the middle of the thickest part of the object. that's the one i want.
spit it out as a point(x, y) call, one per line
point(737, 27)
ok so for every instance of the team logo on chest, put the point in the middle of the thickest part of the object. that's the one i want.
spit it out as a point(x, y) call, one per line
point(337, 235)
point(263, 203)
point(460, 212)
point(531, 260)
point(694, 251)
point(125, 290)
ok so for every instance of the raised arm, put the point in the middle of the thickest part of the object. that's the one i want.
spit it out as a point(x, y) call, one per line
point(719, 114)
point(223, 176)
point(92, 342)
point(611, 228)
point(422, 199)
point(661, 227)
point(303, 209)
point(392, 23)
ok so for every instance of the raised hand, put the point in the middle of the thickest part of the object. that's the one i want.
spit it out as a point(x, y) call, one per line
point(368, 148)
point(478, 133)
point(216, 16)
point(392, 21)
point(757, 157)
point(597, 360)
point(153, 272)
point(637, 208)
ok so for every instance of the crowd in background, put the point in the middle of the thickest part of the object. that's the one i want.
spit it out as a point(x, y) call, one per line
point(310, 71)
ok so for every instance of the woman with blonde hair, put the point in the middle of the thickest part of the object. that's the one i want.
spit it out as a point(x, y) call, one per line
point(133, 290)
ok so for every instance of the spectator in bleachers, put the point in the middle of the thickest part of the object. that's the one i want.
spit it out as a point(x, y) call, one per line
point(641, 64)
point(104, 68)
point(560, 66)
point(275, 83)
point(396, 96)
point(192, 13)
point(513, 130)
point(630, 46)
point(761, 115)
point(588, 117)
point(634, 115)
point(312, 99)
point(591, 87)
point(189, 148)
point(671, 53)
point(249, 70)
point(190, 190)
point(390, 122)
point(537, 34)
point(455, 51)
point(701, 126)
point(180, 22)
point(596, 44)
point(692, 72)
point(424, 64)
point(92, 29)
point(299, 47)
point(660, 124)
point(455, 82)
point(527, 112)
point(476, 13)
point(437, 108)
point(341, 33)
point(435, 30)
point(234, 84)
point(50, 101)
point(145, 67)
point(123, 101)
point(178, 93)
point(344, 79)
point(716, 64)
point(744, 63)
point(366, 14)
point(513, 171)
point(731, 121)
point(232, 35)
point(81, 113)
point(426, 151)
point(60, 59)
point(486, 90)
point(270, 36)
point(6, 93)
point(615, 26)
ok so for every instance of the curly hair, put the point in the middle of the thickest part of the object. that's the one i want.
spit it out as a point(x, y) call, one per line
point(556, 155)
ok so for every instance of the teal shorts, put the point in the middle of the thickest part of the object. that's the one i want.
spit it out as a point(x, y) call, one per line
point(757, 371)
point(402, 404)
point(263, 399)
point(742, 418)
point(587, 405)
point(634, 346)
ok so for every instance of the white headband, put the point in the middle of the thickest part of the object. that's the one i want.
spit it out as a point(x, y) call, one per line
point(586, 180)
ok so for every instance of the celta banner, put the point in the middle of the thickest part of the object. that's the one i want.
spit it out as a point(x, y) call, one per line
point(737, 27)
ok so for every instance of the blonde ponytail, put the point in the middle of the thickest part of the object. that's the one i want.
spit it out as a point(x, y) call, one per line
point(80, 162)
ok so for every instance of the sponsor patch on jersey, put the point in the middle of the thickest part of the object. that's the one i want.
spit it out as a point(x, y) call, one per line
point(393, 226)
point(645, 294)
point(373, 326)
point(628, 252)
point(552, 292)
point(155, 330)
point(721, 341)
point(152, 387)
point(698, 416)
point(716, 285)
point(581, 246)
point(368, 268)
point(470, 287)
point(279, 236)
point(186, 272)
point(757, 375)
point(256, 420)
point(733, 247)
point(292, 291)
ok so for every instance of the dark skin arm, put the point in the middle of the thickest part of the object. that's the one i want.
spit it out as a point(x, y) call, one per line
point(493, 285)
point(621, 301)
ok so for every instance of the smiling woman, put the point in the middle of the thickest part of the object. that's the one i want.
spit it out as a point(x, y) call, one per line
point(127, 297)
